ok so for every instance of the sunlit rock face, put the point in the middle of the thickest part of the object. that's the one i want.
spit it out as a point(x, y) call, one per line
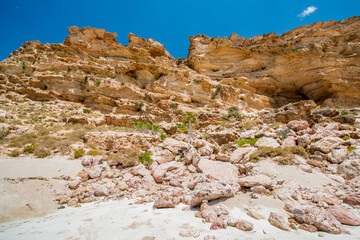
point(320, 61)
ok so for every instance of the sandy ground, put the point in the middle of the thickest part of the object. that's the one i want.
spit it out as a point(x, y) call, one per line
point(122, 220)
point(34, 167)
point(24, 196)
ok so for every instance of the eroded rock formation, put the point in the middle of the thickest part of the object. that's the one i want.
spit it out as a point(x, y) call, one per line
point(320, 62)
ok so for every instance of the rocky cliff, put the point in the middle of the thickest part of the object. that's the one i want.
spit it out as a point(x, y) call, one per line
point(320, 61)
point(143, 81)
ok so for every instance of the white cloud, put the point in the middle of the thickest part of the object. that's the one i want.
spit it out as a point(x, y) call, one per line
point(307, 11)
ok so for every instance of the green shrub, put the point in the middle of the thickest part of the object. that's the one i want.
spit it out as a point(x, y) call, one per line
point(197, 81)
point(86, 110)
point(182, 128)
point(251, 141)
point(93, 152)
point(85, 79)
point(346, 137)
point(173, 105)
point(14, 153)
point(163, 136)
point(78, 153)
point(142, 125)
point(350, 148)
point(141, 105)
point(190, 117)
point(233, 112)
point(288, 160)
point(216, 92)
point(29, 148)
point(156, 128)
point(344, 113)
point(97, 83)
point(145, 158)
point(42, 152)
point(122, 83)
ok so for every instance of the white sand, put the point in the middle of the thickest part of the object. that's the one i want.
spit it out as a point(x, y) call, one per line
point(38, 167)
point(120, 220)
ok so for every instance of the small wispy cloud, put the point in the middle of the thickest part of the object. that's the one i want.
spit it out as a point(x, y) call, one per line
point(307, 11)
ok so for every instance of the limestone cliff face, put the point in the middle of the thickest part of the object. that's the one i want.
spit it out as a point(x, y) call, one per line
point(142, 81)
point(320, 61)
point(139, 81)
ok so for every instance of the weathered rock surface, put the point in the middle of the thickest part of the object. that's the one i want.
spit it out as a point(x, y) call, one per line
point(210, 191)
point(269, 64)
point(222, 171)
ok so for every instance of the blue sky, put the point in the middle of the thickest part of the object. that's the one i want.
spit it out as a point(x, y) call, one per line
point(169, 22)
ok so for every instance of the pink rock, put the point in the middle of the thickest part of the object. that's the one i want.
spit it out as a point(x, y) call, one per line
point(162, 155)
point(86, 160)
point(244, 225)
point(95, 172)
point(210, 191)
point(101, 190)
point(322, 197)
point(97, 160)
point(320, 218)
point(289, 142)
point(209, 216)
point(73, 184)
point(217, 225)
point(298, 125)
point(326, 144)
point(162, 203)
point(304, 140)
point(352, 199)
point(344, 217)
point(223, 171)
point(158, 172)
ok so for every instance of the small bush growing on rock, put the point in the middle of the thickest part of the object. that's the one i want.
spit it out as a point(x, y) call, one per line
point(93, 152)
point(346, 137)
point(42, 152)
point(97, 83)
point(251, 141)
point(350, 148)
point(173, 105)
point(145, 158)
point(344, 113)
point(86, 110)
point(14, 153)
point(29, 148)
point(122, 83)
point(142, 125)
point(163, 136)
point(182, 128)
point(249, 124)
point(233, 112)
point(285, 160)
point(78, 153)
point(274, 152)
point(141, 105)
point(156, 128)
point(189, 117)
point(85, 80)
point(216, 92)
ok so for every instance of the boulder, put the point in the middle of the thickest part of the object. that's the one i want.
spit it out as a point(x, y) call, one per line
point(223, 137)
point(338, 155)
point(279, 221)
point(95, 172)
point(298, 125)
point(326, 144)
point(159, 171)
point(320, 218)
point(192, 156)
point(101, 190)
point(290, 141)
point(241, 154)
point(350, 167)
point(244, 225)
point(173, 145)
point(223, 171)
point(210, 191)
point(352, 199)
point(162, 203)
point(257, 180)
point(267, 142)
point(304, 140)
point(162, 155)
point(344, 216)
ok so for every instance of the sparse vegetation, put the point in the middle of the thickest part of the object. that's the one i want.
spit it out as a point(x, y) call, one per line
point(122, 83)
point(42, 152)
point(242, 142)
point(249, 124)
point(274, 152)
point(86, 110)
point(173, 105)
point(14, 153)
point(163, 136)
point(145, 158)
point(350, 148)
point(141, 105)
point(346, 137)
point(97, 83)
point(142, 125)
point(86, 79)
point(216, 92)
point(79, 153)
point(233, 112)
point(4, 132)
point(276, 125)
point(29, 148)
point(283, 132)
point(93, 152)
point(156, 128)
